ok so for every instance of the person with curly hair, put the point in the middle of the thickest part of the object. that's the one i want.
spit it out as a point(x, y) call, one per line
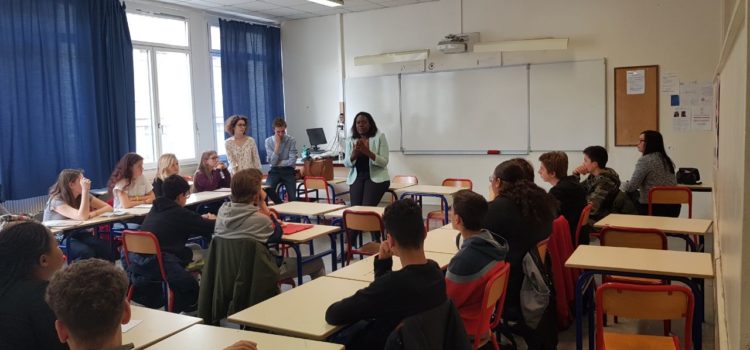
point(29, 256)
point(242, 151)
point(521, 214)
point(127, 185)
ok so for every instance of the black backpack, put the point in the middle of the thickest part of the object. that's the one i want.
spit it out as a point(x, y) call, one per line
point(688, 176)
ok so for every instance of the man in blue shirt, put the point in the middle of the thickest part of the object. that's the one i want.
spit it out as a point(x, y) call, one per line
point(281, 153)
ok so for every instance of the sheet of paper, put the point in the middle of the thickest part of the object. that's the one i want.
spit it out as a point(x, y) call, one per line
point(143, 206)
point(636, 82)
point(223, 189)
point(670, 83)
point(680, 120)
point(130, 325)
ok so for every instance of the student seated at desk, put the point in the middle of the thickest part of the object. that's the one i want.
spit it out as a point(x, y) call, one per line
point(85, 325)
point(29, 256)
point(70, 199)
point(127, 185)
point(566, 189)
point(654, 168)
point(602, 185)
point(394, 295)
point(479, 256)
point(172, 225)
point(521, 213)
point(167, 166)
point(211, 174)
point(247, 216)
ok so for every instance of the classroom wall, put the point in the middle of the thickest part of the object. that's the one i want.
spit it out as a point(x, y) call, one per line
point(732, 198)
point(680, 36)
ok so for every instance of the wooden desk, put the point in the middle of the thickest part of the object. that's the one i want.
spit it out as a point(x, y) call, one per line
point(649, 261)
point(395, 186)
point(96, 221)
point(665, 224)
point(155, 325)
point(704, 187)
point(363, 270)
point(441, 241)
point(306, 208)
point(340, 213)
point(300, 312)
point(201, 337)
point(308, 235)
point(206, 196)
point(448, 226)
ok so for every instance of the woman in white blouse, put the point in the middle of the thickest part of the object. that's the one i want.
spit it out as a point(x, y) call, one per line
point(241, 149)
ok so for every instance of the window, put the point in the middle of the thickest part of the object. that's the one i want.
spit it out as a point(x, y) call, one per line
point(163, 92)
point(218, 100)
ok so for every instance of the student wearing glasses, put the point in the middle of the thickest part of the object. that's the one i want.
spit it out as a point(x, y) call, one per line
point(211, 173)
point(242, 150)
point(172, 225)
point(654, 168)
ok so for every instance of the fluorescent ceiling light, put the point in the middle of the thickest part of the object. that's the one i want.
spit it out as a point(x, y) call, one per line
point(392, 57)
point(522, 45)
point(329, 3)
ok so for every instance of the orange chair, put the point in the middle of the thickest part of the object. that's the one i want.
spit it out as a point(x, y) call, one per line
point(493, 300)
point(542, 247)
point(440, 214)
point(143, 242)
point(402, 179)
point(644, 303)
point(362, 221)
point(672, 195)
point(581, 222)
point(316, 183)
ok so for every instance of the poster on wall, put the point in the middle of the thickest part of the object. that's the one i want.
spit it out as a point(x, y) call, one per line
point(693, 108)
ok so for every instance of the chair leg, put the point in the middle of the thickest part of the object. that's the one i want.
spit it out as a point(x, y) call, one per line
point(667, 327)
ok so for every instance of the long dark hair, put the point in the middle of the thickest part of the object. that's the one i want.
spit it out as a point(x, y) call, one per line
point(21, 245)
point(655, 144)
point(535, 205)
point(373, 128)
point(123, 170)
point(61, 188)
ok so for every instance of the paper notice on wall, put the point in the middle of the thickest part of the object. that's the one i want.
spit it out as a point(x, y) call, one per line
point(701, 122)
point(636, 82)
point(680, 119)
point(670, 83)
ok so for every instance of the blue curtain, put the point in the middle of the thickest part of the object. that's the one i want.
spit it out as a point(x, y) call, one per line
point(251, 76)
point(66, 91)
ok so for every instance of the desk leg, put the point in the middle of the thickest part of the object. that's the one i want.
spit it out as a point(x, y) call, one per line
point(444, 203)
point(299, 263)
point(581, 287)
point(332, 237)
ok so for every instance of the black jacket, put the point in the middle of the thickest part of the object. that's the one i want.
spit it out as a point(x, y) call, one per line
point(434, 329)
point(572, 198)
point(393, 296)
point(504, 219)
point(173, 225)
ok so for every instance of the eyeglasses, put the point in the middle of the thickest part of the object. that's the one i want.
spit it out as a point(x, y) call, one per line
point(241, 125)
point(213, 157)
point(641, 141)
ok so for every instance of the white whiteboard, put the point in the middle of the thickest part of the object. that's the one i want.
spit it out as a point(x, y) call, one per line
point(378, 96)
point(465, 111)
point(567, 109)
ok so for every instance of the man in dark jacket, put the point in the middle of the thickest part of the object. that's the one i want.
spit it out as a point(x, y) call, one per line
point(394, 295)
point(566, 189)
point(172, 225)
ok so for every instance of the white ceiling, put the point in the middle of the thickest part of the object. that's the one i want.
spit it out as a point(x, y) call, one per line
point(284, 10)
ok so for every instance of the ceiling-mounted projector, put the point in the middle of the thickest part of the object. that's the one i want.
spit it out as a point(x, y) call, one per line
point(458, 43)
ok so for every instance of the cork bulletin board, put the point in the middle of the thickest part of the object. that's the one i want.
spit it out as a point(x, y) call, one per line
point(636, 102)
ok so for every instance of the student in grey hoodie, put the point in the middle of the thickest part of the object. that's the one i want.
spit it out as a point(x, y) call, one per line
point(247, 216)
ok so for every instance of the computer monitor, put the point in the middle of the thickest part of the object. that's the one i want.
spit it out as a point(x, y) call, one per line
point(317, 137)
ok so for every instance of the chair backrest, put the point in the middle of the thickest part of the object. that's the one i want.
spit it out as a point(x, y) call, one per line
point(582, 221)
point(493, 300)
point(405, 179)
point(644, 302)
point(463, 183)
point(363, 221)
point(142, 242)
point(644, 238)
point(671, 195)
point(541, 248)
point(317, 183)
